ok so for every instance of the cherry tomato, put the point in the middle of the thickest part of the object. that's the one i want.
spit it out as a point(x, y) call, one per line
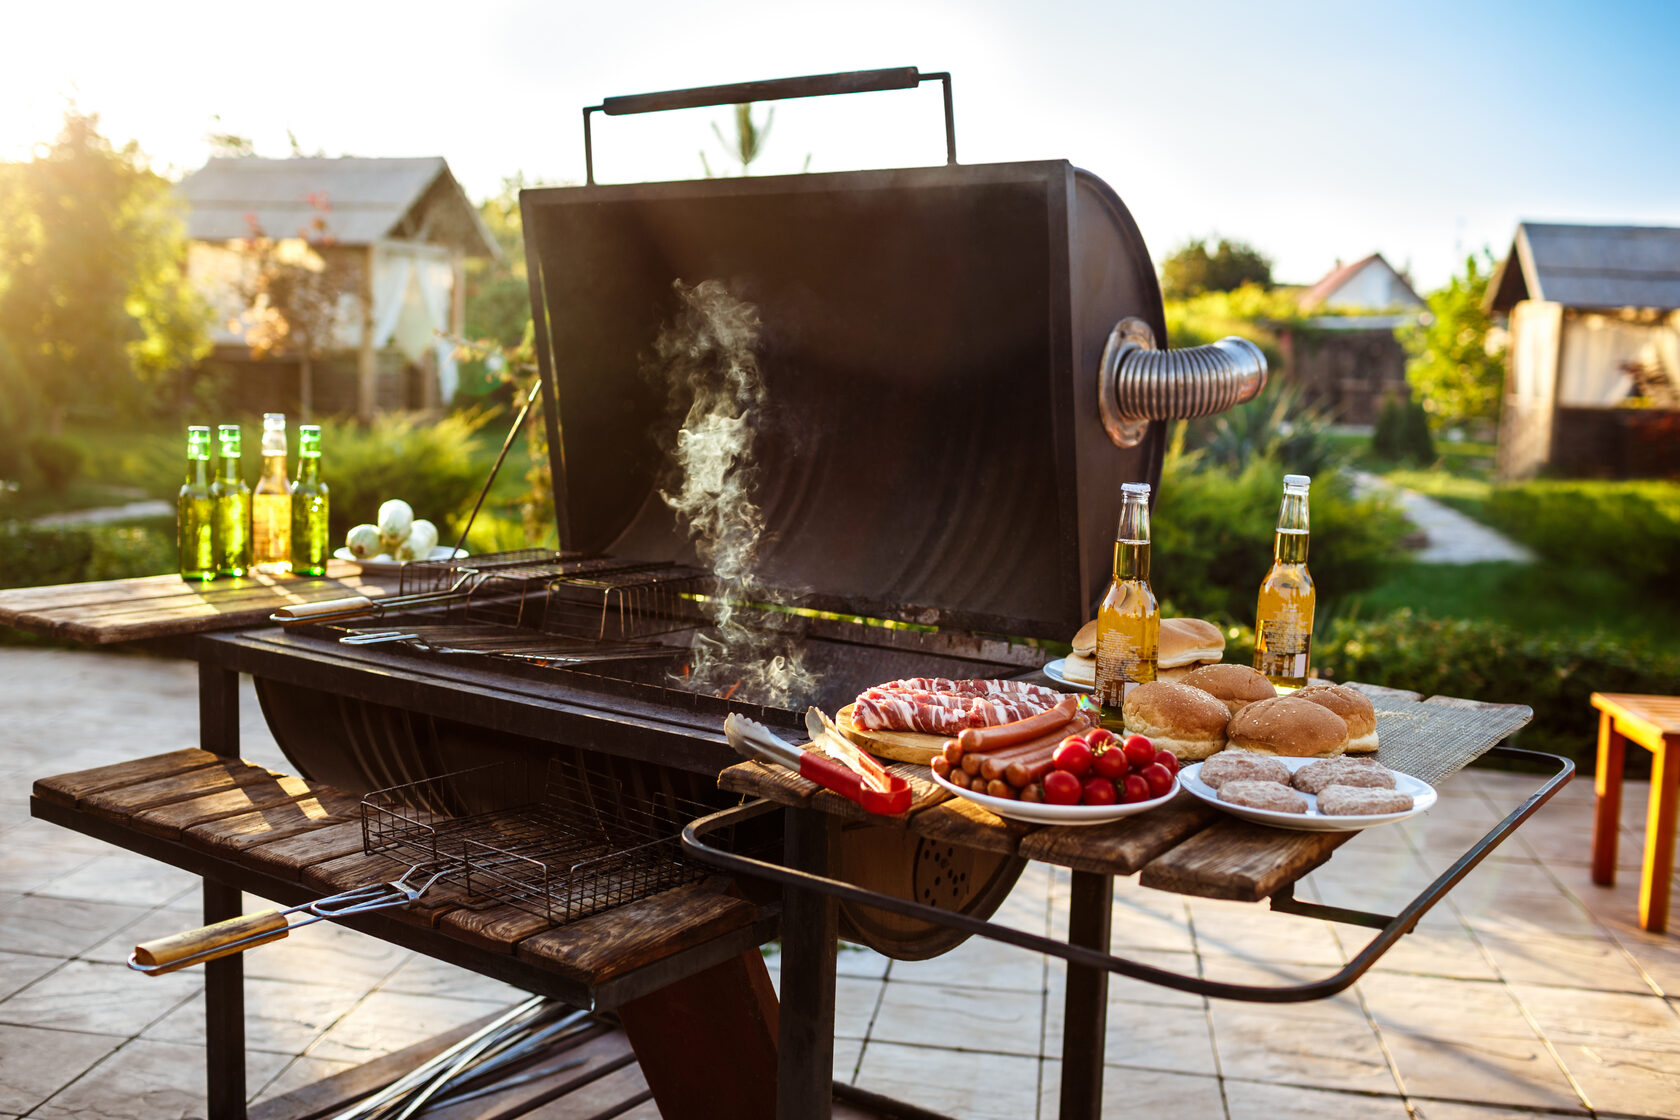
point(1137, 789)
point(1062, 788)
point(1167, 759)
point(1100, 738)
point(1140, 752)
point(1073, 754)
point(1159, 778)
point(1098, 791)
point(1111, 763)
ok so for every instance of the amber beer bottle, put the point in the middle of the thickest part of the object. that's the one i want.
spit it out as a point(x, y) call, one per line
point(1284, 619)
point(1129, 621)
point(271, 505)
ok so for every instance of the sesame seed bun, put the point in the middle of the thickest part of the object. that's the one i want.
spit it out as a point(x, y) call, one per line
point(1185, 641)
point(1355, 709)
point(1237, 685)
point(1289, 726)
point(1177, 718)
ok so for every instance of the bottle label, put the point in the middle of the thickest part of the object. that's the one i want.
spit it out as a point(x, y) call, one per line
point(1285, 635)
point(1121, 667)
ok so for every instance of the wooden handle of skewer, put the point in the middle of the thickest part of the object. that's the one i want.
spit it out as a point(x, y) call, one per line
point(326, 608)
point(182, 947)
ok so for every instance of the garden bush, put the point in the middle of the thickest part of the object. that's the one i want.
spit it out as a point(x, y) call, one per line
point(57, 459)
point(1213, 529)
point(1554, 674)
point(1630, 528)
point(31, 557)
point(427, 463)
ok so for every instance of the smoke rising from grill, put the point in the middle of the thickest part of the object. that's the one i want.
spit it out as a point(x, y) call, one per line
point(707, 357)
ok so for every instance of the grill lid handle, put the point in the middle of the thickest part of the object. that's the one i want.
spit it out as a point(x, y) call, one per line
point(775, 89)
point(1137, 383)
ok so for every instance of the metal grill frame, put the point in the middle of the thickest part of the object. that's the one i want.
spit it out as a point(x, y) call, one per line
point(582, 846)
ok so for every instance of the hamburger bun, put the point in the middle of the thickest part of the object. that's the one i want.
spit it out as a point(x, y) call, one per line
point(1079, 670)
point(1186, 641)
point(1355, 709)
point(1289, 726)
point(1085, 642)
point(1177, 718)
point(1237, 685)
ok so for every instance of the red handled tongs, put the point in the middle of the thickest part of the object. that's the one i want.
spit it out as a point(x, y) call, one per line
point(882, 793)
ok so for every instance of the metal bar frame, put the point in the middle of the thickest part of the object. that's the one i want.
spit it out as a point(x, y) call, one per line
point(1086, 951)
point(224, 978)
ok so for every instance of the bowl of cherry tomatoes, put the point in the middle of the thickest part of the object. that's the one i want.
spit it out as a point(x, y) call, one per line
point(1094, 777)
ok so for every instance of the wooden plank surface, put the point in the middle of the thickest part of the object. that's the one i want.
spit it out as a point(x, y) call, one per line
point(166, 606)
point(67, 789)
point(124, 802)
point(1239, 860)
point(169, 820)
point(1123, 846)
point(231, 835)
point(605, 945)
point(962, 822)
point(359, 869)
point(289, 856)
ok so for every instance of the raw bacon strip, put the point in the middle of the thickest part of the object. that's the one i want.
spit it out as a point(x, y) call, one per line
point(972, 688)
point(936, 714)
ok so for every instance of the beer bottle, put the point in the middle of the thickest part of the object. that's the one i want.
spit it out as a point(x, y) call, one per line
point(1284, 618)
point(231, 498)
point(1129, 621)
point(194, 511)
point(309, 507)
point(271, 505)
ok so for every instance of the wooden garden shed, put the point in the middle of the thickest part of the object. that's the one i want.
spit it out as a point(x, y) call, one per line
point(1593, 387)
point(386, 241)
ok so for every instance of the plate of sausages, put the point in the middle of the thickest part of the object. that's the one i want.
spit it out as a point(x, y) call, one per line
point(996, 766)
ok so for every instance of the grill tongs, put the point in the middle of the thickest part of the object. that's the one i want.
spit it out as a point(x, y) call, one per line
point(876, 790)
point(181, 950)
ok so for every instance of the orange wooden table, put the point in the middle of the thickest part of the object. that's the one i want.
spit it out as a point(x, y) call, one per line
point(1653, 722)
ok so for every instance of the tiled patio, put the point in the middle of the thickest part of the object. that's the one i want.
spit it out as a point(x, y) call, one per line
point(1529, 993)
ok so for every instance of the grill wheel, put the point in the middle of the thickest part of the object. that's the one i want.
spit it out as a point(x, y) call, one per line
point(894, 862)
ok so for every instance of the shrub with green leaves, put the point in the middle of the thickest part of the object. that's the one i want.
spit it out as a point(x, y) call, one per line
point(1554, 674)
point(1213, 528)
point(57, 459)
point(427, 463)
point(32, 557)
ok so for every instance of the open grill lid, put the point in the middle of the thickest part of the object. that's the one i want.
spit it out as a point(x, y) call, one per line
point(929, 447)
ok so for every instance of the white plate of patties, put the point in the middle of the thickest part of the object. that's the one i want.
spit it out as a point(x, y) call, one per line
point(1043, 813)
point(1313, 820)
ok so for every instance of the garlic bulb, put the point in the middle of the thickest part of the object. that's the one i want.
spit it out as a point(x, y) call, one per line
point(395, 521)
point(422, 538)
point(363, 541)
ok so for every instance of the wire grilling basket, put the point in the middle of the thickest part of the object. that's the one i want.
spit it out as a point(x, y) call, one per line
point(554, 839)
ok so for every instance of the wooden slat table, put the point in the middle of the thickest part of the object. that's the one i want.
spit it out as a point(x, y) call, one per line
point(126, 610)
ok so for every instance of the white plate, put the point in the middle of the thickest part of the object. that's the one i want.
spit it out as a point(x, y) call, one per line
point(1423, 796)
point(1053, 670)
point(440, 552)
point(1056, 814)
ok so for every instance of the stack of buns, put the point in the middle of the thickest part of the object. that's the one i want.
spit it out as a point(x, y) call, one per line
point(1197, 705)
point(1185, 644)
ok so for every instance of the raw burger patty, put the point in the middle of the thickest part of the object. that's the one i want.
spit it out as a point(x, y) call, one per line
point(1316, 776)
point(1275, 796)
point(1358, 801)
point(1243, 766)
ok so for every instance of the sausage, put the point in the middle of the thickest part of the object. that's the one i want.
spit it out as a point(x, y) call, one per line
point(994, 763)
point(941, 766)
point(952, 751)
point(971, 762)
point(1001, 789)
point(959, 778)
point(1033, 793)
point(978, 740)
point(1023, 773)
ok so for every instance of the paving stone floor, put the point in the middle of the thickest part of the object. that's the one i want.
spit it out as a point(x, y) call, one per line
point(1528, 993)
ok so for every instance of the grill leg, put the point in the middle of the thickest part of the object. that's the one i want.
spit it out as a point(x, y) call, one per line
point(1085, 1009)
point(810, 934)
point(224, 1012)
point(218, 712)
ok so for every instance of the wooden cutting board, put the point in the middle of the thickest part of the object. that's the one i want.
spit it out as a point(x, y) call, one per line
point(900, 746)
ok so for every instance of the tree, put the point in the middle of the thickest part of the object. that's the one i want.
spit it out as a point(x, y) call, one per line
point(1457, 377)
point(294, 290)
point(95, 310)
point(1192, 270)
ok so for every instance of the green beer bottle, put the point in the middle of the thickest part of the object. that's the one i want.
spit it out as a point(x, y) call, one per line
point(309, 507)
point(231, 496)
point(194, 512)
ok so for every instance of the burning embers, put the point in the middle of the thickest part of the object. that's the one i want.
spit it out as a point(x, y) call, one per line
point(707, 358)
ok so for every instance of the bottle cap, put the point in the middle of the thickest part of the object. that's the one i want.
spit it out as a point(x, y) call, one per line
point(1135, 489)
point(274, 421)
point(1297, 481)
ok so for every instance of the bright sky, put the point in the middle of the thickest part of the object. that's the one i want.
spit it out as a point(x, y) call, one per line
point(1314, 131)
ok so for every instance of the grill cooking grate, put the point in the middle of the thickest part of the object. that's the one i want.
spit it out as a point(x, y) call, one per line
point(584, 844)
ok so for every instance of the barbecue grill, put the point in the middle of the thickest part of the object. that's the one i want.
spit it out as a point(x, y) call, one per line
point(930, 384)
